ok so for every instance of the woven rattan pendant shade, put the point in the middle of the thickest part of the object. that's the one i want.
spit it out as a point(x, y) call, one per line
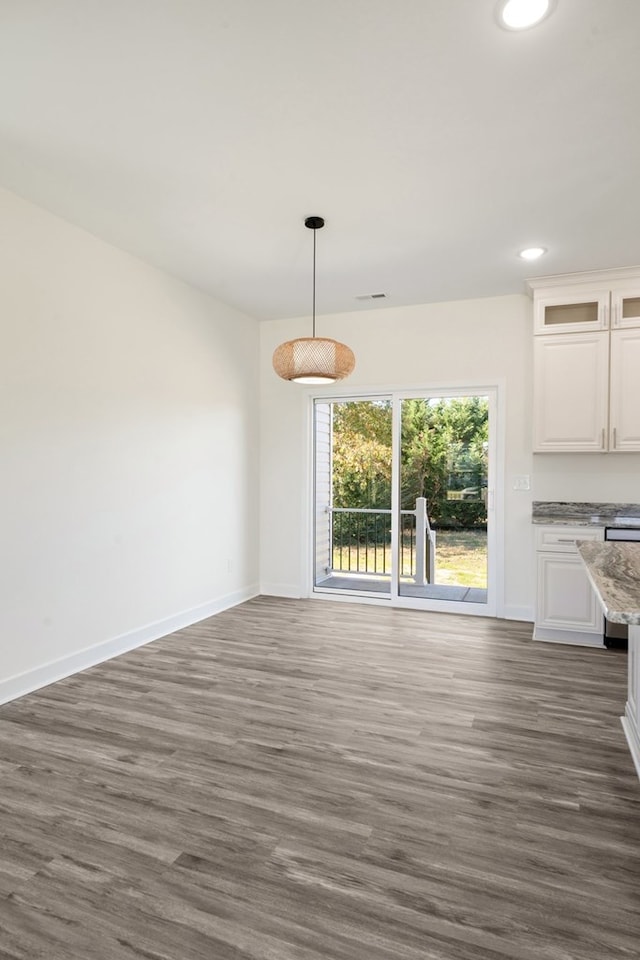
point(313, 359)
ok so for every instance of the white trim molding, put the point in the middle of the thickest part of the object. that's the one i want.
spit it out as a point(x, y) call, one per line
point(575, 637)
point(633, 739)
point(290, 591)
point(600, 277)
point(511, 612)
point(495, 390)
point(48, 673)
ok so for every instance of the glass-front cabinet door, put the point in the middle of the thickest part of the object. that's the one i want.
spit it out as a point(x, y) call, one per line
point(571, 312)
point(625, 308)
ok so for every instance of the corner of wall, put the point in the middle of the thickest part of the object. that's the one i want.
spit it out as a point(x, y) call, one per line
point(42, 676)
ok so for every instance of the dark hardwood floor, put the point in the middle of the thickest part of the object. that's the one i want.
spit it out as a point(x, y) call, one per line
point(296, 780)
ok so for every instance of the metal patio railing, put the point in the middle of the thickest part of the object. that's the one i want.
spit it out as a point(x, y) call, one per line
point(361, 542)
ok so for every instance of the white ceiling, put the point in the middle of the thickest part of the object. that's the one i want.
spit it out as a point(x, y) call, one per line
point(198, 134)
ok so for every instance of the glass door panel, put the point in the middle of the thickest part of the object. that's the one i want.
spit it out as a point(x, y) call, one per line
point(402, 499)
point(443, 498)
point(353, 496)
point(630, 308)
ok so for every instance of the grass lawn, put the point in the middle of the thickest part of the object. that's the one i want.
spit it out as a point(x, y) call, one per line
point(461, 558)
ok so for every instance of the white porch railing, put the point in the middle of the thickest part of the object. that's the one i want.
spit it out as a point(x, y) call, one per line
point(422, 543)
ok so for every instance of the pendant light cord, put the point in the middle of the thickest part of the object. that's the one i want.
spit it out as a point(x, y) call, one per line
point(314, 282)
point(314, 223)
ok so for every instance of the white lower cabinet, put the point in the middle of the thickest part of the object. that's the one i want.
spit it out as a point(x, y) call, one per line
point(567, 609)
point(631, 719)
point(565, 597)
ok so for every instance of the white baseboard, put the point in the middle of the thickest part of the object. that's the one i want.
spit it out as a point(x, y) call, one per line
point(42, 676)
point(569, 636)
point(289, 590)
point(347, 596)
point(633, 738)
point(517, 613)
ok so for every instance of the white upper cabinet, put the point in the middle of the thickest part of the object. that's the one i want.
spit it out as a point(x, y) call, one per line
point(625, 308)
point(587, 362)
point(580, 302)
point(571, 312)
point(570, 385)
point(624, 398)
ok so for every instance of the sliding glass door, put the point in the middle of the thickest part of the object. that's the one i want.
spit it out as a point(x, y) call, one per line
point(403, 498)
point(353, 488)
point(443, 494)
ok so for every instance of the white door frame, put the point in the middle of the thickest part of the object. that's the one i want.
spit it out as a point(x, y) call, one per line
point(495, 391)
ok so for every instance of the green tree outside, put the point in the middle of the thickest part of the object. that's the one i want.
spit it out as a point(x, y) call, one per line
point(443, 457)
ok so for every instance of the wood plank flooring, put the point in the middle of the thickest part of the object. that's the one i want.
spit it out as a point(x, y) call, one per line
point(297, 780)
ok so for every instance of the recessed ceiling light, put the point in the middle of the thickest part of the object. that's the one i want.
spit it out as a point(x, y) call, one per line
point(532, 253)
point(520, 14)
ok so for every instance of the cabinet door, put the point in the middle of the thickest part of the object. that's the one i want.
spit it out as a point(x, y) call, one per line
point(625, 308)
point(571, 311)
point(565, 598)
point(624, 417)
point(570, 392)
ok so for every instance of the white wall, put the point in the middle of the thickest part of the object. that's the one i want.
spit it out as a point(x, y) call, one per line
point(477, 341)
point(489, 340)
point(590, 477)
point(128, 438)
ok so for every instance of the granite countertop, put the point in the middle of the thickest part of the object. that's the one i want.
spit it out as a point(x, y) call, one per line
point(585, 514)
point(614, 571)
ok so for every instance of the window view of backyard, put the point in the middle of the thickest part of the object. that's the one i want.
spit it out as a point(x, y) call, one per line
point(443, 489)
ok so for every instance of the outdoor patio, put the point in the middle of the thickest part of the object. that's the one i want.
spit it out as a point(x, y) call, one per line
point(372, 584)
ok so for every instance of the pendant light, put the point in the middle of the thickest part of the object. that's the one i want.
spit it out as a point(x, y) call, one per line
point(315, 360)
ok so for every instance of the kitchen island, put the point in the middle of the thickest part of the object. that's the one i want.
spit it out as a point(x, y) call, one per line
point(614, 571)
point(567, 609)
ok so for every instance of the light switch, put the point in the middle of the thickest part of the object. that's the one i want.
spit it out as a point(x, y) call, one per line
point(522, 482)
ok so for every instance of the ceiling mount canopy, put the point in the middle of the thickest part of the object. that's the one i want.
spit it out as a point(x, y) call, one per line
point(313, 360)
